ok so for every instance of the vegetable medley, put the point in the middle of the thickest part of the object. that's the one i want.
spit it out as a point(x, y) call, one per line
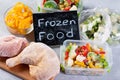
point(93, 26)
point(64, 5)
point(85, 56)
point(114, 38)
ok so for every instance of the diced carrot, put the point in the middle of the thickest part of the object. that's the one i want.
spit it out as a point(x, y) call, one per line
point(88, 47)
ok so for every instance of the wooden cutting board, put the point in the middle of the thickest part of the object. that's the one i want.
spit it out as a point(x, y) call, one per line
point(21, 71)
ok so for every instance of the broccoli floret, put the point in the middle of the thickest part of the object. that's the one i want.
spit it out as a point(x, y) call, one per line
point(93, 55)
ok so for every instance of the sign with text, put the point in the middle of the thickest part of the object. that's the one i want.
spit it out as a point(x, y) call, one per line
point(55, 28)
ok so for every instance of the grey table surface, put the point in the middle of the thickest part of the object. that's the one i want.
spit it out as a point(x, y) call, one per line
point(115, 71)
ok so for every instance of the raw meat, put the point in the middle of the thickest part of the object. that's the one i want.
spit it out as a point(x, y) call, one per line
point(11, 46)
point(43, 61)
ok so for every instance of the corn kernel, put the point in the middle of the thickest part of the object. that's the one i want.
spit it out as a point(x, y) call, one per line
point(102, 56)
point(97, 66)
point(91, 65)
point(89, 58)
point(81, 64)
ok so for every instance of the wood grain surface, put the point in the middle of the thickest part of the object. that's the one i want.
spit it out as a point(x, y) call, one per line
point(21, 71)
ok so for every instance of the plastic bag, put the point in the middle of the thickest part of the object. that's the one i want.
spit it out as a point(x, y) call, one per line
point(103, 34)
point(114, 38)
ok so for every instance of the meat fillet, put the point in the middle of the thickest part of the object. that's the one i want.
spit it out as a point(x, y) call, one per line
point(11, 46)
point(43, 61)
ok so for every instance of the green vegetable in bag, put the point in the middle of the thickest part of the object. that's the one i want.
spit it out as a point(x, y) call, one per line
point(51, 4)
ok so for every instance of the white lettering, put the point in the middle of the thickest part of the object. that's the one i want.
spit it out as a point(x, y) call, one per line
point(47, 22)
point(70, 33)
point(65, 22)
point(60, 35)
point(41, 35)
point(72, 21)
point(50, 36)
point(58, 23)
point(39, 22)
point(52, 23)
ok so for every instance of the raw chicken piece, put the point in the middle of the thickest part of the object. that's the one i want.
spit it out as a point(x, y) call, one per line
point(11, 46)
point(43, 61)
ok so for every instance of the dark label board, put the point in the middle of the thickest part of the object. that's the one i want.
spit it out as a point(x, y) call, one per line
point(55, 28)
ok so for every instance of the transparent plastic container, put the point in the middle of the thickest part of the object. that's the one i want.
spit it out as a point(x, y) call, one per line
point(31, 5)
point(42, 9)
point(86, 71)
point(103, 36)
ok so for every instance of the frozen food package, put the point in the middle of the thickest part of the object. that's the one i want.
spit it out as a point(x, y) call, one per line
point(85, 57)
point(59, 5)
point(95, 24)
point(114, 38)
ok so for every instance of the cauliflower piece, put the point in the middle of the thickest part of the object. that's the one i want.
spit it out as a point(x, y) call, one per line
point(80, 58)
point(90, 25)
point(101, 29)
point(70, 62)
point(96, 48)
point(73, 8)
point(72, 53)
point(84, 28)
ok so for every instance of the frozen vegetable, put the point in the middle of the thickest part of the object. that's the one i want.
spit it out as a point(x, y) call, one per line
point(64, 5)
point(114, 38)
point(50, 4)
point(19, 18)
point(85, 56)
point(93, 26)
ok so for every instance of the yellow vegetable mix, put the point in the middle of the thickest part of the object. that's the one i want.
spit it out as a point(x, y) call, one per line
point(19, 18)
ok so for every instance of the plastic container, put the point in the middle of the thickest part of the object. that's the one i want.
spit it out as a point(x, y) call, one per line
point(102, 35)
point(86, 71)
point(42, 9)
point(20, 31)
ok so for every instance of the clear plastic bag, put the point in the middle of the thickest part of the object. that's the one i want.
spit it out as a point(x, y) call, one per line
point(103, 35)
point(114, 38)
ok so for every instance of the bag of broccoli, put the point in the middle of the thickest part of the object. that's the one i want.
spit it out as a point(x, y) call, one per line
point(95, 24)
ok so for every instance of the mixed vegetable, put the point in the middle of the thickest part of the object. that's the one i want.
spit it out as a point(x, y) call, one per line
point(93, 26)
point(115, 34)
point(85, 56)
point(64, 5)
